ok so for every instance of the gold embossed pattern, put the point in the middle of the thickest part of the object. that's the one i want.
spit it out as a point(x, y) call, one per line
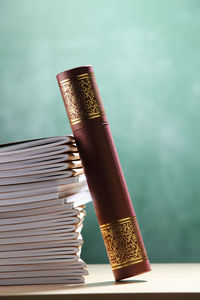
point(80, 98)
point(122, 244)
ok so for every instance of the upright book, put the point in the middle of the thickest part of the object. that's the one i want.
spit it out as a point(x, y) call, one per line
point(105, 178)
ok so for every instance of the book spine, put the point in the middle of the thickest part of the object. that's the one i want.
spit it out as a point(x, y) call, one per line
point(113, 206)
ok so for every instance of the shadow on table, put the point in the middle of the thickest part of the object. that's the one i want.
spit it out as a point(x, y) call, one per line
point(95, 284)
point(60, 288)
point(107, 283)
point(103, 284)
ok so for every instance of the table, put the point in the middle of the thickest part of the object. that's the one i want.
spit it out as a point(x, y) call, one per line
point(165, 281)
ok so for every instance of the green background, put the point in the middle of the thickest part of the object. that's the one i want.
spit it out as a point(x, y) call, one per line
point(146, 56)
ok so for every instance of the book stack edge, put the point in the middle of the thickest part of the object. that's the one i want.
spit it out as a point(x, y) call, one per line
point(43, 193)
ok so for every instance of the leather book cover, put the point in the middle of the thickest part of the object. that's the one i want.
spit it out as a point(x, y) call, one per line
point(113, 206)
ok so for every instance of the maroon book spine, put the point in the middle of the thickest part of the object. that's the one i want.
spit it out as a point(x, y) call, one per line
point(113, 206)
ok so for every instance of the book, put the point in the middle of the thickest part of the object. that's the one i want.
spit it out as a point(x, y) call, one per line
point(112, 202)
point(42, 199)
point(57, 183)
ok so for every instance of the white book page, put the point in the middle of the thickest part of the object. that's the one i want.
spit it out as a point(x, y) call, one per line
point(39, 231)
point(37, 198)
point(40, 218)
point(29, 152)
point(39, 178)
point(29, 167)
point(44, 161)
point(37, 170)
point(41, 244)
point(59, 191)
point(25, 255)
point(66, 193)
point(70, 199)
point(46, 273)
point(38, 252)
point(47, 142)
point(82, 202)
point(67, 208)
point(32, 205)
point(69, 182)
point(76, 197)
point(78, 264)
point(23, 228)
point(37, 260)
point(37, 154)
point(51, 237)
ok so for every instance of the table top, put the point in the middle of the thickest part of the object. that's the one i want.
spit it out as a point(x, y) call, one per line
point(165, 281)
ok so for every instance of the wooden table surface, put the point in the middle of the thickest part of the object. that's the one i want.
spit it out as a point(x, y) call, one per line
point(165, 281)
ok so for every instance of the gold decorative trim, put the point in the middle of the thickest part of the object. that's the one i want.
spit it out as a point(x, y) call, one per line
point(122, 244)
point(63, 81)
point(91, 117)
point(129, 264)
point(81, 98)
point(78, 76)
point(83, 75)
point(117, 222)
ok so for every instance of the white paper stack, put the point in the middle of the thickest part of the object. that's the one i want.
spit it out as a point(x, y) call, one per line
point(42, 196)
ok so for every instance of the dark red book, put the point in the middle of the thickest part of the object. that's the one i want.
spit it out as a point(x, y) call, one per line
point(113, 206)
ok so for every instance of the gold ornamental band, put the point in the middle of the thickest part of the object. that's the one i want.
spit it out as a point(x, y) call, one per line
point(124, 248)
point(120, 221)
point(85, 74)
point(85, 105)
point(77, 76)
point(91, 117)
point(128, 264)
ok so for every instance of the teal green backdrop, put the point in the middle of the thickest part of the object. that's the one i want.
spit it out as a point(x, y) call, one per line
point(146, 55)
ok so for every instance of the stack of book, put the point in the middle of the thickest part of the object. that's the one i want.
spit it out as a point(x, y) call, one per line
point(43, 192)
